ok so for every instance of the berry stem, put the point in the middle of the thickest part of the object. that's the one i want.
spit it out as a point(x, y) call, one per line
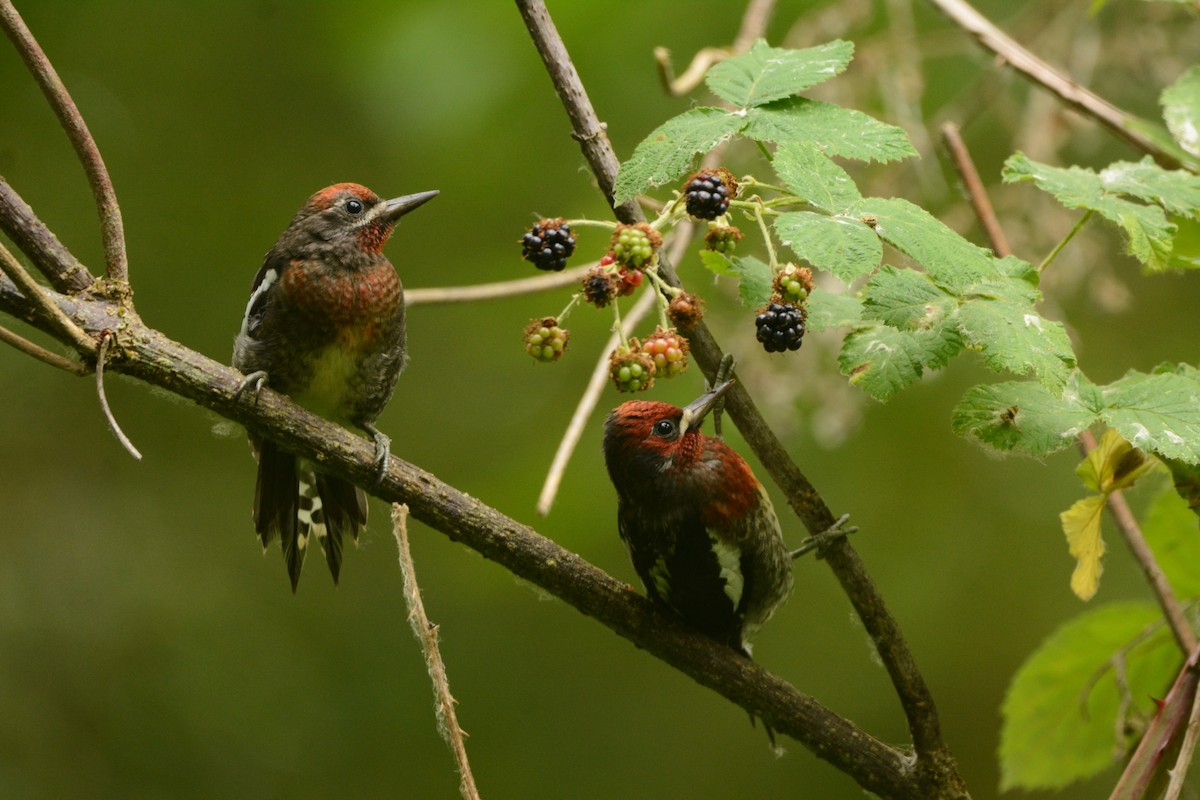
point(617, 330)
point(669, 211)
point(592, 223)
point(663, 292)
point(1070, 235)
point(750, 182)
point(566, 312)
point(762, 224)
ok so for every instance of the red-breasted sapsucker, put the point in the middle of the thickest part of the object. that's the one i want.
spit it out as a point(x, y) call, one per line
point(698, 525)
point(324, 325)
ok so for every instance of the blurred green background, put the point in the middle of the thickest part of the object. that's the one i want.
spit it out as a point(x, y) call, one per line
point(148, 649)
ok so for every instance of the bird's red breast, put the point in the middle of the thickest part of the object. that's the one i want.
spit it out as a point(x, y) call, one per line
point(354, 302)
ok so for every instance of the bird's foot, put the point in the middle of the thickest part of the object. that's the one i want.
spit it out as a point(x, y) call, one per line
point(257, 379)
point(818, 542)
point(383, 450)
point(724, 370)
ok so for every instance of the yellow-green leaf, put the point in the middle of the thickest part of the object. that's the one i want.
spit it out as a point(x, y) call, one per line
point(1114, 464)
point(1081, 524)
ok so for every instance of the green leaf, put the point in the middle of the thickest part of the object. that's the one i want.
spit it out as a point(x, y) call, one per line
point(805, 170)
point(882, 360)
point(1024, 416)
point(835, 130)
point(1060, 713)
point(1013, 337)
point(764, 73)
point(1176, 190)
point(668, 152)
point(1181, 110)
point(832, 310)
point(755, 279)
point(1147, 231)
point(906, 299)
point(950, 259)
point(842, 245)
point(1159, 412)
point(717, 263)
point(1171, 530)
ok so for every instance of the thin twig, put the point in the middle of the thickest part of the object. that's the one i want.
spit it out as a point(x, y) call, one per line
point(42, 354)
point(754, 25)
point(427, 634)
point(491, 291)
point(587, 403)
point(933, 760)
point(111, 228)
point(975, 191)
point(1124, 125)
point(1187, 750)
point(105, 337)
point(33, 291)
point(35, 240)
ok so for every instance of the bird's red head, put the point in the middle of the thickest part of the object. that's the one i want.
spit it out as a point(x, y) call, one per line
point(351, 214)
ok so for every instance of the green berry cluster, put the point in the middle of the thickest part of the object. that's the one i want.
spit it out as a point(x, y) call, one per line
point(631, 369)
point(793, 284)
point(635, 245)
point(722, 238)
point(545, 340)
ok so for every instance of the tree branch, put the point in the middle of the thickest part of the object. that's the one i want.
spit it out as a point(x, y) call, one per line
point(1124, 125)
point(111, 229)
point(933, 759)
point(35, 240)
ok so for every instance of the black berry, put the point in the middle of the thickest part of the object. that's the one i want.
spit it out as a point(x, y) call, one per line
point(780, 327)
point(708, 193)
point(548, 244)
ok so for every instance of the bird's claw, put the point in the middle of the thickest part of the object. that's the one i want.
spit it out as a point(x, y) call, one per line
point(820, 540)
point(383, 451)
point(724, 370)
point(257, 379)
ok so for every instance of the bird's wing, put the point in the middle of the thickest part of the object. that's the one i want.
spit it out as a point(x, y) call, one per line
point(260, 291)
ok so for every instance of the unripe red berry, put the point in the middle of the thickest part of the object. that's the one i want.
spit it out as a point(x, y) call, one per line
point(685, 310)
point(669, 351)
point(630, 280)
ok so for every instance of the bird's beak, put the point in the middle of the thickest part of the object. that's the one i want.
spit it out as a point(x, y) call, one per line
point(393, 210)
point(695, 411)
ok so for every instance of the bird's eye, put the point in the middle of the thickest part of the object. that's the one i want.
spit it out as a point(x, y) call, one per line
point(355, 207)
point(665, 428)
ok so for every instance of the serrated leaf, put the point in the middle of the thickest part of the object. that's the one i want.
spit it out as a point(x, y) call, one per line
point(716, 263)
point(882, 360)
point(1023, 416)
point(1113, 464)
point(1171, 531)
point(805, 170)
point(755, 279)
point(1159, 413)
point(842, 245)
point(668, 152)
point(764, 73)
point(906, 298)
point(950, 259)
point(1060, 712)
point(1176, 190)
point(1181, 110)
point(1148, 234)
point(835, 130)
point(1081, 524)
point(1014, 337)
point(832, 310)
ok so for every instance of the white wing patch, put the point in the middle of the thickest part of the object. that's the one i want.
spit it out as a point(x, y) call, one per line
point(729, 561)
point(269, 278)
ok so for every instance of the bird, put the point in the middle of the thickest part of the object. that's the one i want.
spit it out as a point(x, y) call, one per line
point(699, 527)
point(324, 325)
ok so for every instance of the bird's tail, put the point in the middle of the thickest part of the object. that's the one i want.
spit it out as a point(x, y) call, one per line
point(296, 503)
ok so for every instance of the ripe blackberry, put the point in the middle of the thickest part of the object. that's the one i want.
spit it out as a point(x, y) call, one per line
point(722, 238)
point(780, 326)
point(548, 244)
point(544, 340)
point(793, 284)
point(631, 369)
point(634, 245)
point(600, 286)
point(669, 351)
point(685, 310)
point(709, 192)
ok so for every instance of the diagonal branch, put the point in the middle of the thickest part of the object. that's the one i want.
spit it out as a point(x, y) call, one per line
point(932, 756)
point(1124, 125)
point(35, 240)
point(150, 356)
point(111, 229)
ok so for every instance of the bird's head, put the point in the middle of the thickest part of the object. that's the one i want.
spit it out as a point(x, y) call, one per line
point(644, 439)
point(348, 215)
